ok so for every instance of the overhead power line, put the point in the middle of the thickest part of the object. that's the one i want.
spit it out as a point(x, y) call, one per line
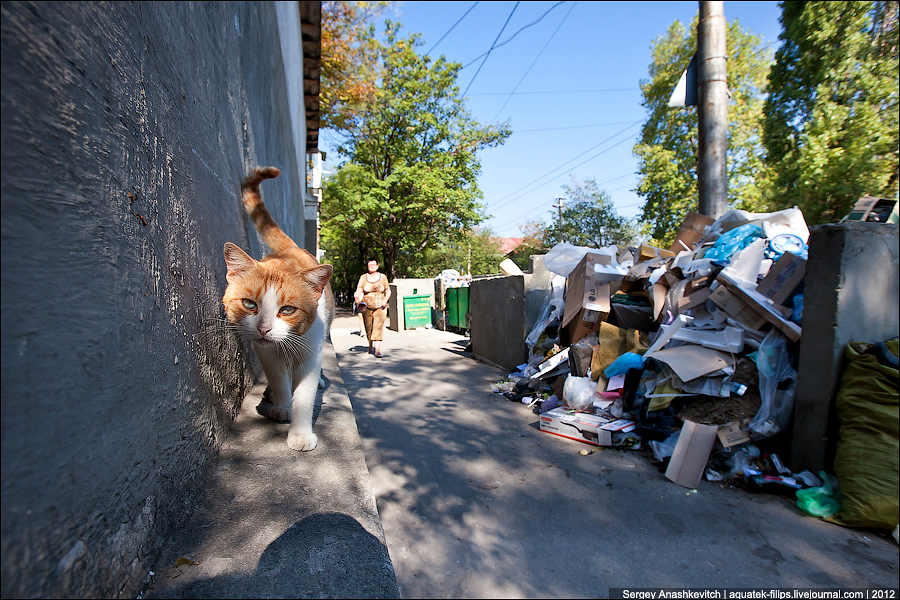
point(528, 185)
point(491, 49)
point(562, 127)
point(452, 27)
point(619, 143)
point(559, 92)
point(534, 62)
point(510, 38)
point(555, 177)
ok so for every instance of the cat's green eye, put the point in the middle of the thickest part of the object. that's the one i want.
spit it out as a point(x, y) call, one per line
point(287, 310)
point(249, 304)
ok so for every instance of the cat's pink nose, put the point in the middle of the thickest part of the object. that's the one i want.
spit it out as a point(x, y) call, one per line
point(263, 330)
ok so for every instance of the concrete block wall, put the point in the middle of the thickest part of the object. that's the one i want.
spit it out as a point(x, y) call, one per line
point(126, 130)
point(497, 309)
point(850, 295)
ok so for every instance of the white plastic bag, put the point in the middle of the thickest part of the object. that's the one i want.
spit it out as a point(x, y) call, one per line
point(553, 309)
point(773, 362)
point(562, 258)
point(578, 392)
point(789, 220)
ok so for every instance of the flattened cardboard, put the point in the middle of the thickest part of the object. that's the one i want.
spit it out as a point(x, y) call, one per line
point(695, 298)
point(762, 305)
point(658, 296)
point(731, 434)
point(736, 308)
point(691, 230)
point(783, 278)
point(646, 252)
point(690, 361)
point(691, 453)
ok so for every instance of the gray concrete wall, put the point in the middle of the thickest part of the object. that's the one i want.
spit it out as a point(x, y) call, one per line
point(497, 309)
point(126, 130)
point(850, 294)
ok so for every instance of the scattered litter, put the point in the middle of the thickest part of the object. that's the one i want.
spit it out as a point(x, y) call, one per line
point(691, 349)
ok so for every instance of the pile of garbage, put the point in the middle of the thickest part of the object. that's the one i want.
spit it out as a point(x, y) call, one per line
point(689, 351)
point(451, 278)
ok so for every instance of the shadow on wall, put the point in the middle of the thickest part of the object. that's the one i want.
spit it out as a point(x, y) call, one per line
point(326, 555)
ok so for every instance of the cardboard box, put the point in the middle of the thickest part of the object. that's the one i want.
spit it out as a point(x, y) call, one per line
point(783, 278)
point(587, 291)
point(691, 453)
point(581, 427)
point(691, 231)
point(579, 328)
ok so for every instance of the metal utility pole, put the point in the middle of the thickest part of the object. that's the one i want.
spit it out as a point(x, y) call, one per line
point(712, 90)
point(559, 206)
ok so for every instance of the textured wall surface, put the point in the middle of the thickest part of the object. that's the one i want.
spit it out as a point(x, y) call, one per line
point(850, 295)
point(126, 130)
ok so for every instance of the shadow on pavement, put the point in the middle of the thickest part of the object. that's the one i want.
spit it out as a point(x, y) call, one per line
point(477, 502)
point(325, 555)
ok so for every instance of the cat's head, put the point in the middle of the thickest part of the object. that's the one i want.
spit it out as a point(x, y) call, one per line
point(271, 300)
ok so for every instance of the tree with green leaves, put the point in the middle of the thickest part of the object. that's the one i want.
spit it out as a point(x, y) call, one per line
point(667, 151)
point(588, 218)
point(475, 252)
point(831, 127)
point(349, 59)
point(410, 179)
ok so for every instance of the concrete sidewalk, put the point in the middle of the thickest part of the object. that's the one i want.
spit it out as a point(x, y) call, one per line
point(477, 502)
point(277, 523)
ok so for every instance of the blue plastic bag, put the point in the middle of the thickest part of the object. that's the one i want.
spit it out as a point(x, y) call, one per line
point(797, 314)
point(786, 242)
point(733, 241)
point(629, 360)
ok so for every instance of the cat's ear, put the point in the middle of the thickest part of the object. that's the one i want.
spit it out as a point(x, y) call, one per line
point(318, 277)
point(236, 260)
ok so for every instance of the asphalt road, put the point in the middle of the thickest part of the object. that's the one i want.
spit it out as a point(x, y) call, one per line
point(476, 502)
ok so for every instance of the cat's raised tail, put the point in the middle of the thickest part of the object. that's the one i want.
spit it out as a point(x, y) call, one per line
point(272, 235)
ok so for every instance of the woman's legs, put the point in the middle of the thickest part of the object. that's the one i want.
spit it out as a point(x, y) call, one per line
point(378, 317)
point(369, 326)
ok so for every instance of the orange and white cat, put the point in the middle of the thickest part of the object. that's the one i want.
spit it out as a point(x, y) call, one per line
point(284, 305)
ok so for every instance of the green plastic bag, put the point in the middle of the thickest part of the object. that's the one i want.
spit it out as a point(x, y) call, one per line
point(820, 501)
point(867, 461)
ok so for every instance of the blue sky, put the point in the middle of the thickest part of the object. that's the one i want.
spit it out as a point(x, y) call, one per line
point(577, 112)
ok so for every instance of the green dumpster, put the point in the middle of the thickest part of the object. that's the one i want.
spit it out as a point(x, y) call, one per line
point(457, 307)
point(416, 310)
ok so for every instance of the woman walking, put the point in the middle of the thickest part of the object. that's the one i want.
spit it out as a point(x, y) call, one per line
point(373, 292)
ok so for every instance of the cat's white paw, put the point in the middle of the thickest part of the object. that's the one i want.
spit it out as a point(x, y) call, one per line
point(302, 442)
point(280, 414)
